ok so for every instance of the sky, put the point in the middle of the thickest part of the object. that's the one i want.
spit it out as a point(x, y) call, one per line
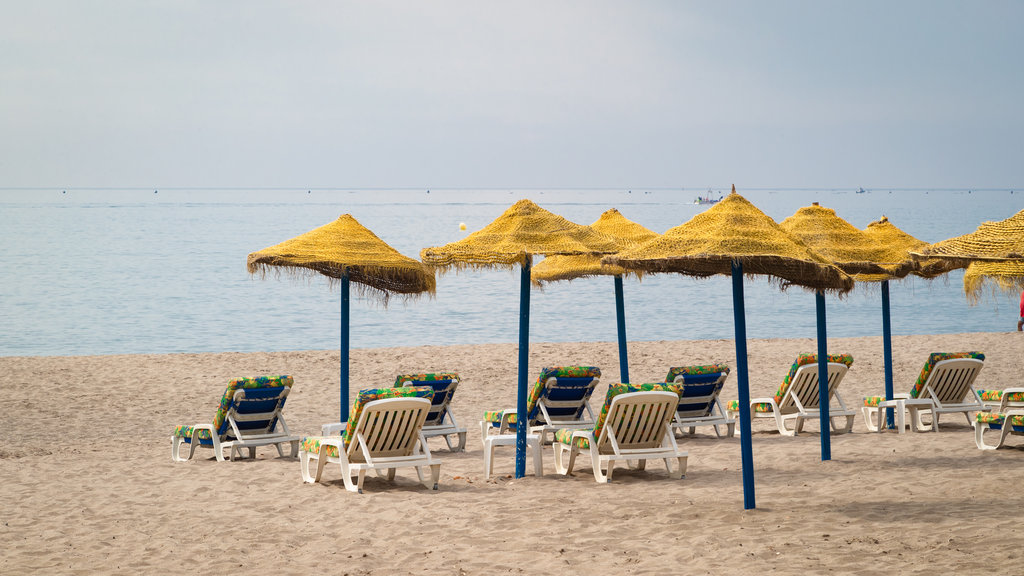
point(525, 94)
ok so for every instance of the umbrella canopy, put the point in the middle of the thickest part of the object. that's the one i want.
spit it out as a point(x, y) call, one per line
point(626, 234)
point(885, 232)
point(624, 231)
point(524, 229)
point(853, 251)
point(734, 237)
point(347, 247)
point(511, 239)
point(734, 230)
point(345, 251)
point(992, 241)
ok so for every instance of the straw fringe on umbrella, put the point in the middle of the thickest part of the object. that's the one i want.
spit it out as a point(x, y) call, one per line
point(511, 240)
point(626, 234)
point(733, 237)
point(995, 251)
point(345, 251)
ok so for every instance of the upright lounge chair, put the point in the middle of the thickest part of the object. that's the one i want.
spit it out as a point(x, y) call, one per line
point(634, 424)
point(383, 432)
point(945, 385)
point(1007, 417)
point(798, 397)
point(249, 416)
point(699, 405)
point(557, 400)
point(440, 421)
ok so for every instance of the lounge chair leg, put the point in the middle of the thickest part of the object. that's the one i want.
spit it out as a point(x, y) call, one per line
point(176, 442)
point(295, 448)
point(730, 429)
point(362, 478)
point(681, 473)
point(435, 475)
point(484, 425)
point(462, 442)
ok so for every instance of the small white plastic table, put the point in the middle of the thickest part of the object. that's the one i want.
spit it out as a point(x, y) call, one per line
point(532, 445)
point(901, 406)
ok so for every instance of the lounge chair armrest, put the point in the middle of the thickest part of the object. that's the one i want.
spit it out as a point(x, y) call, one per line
point(333, 429)
point(765, 400)
point(506, 414)
point(901, 396)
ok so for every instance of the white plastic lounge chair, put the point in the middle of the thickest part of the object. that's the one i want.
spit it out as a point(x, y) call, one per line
point(558, 399)
point(633, 425)
point(798, 397)
point(384, 432)
point(699, 404)
point(440, 421)
point(1007, 418)
point(249, 416)
point(945, 385)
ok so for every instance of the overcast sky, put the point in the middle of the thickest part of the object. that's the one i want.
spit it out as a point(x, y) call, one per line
point(879, 94)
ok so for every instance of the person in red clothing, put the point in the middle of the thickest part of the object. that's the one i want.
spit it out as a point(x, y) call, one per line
point(1020, 321)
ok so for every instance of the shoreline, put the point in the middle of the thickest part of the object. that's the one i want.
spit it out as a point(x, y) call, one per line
point(88, 483)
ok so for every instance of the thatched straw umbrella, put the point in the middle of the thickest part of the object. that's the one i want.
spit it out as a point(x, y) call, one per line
point(731, 238)
point(509, 241)
point(860, 256)
point(992, 243)
point(627, 233)
point(346, 251)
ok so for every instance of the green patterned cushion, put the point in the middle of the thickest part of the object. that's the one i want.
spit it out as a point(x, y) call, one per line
point(695, 370)
point(311, 444)
point(494, 416)
point(996, 420)
point(734, 406)
point(873, 401)
point(933, 359)
point(428, 377)
point(997, 396)
point(220, 418)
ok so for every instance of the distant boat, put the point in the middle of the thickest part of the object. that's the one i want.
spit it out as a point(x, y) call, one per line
point(861, 191)
point(708, 199)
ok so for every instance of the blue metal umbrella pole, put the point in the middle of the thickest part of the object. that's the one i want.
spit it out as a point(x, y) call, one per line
point(620, 320)
point(524, 367)
point(743, 383)
point(826, 441)
point(344, 347)
point(887, 353)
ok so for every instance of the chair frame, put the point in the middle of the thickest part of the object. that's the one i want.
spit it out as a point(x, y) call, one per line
point(637, 427)
point(249, 439)
point(1008, 408)
point(716, 415)
point(545, 424)
point(388, 436)
point(801, 400)
point(438, 426)
point(950, 379)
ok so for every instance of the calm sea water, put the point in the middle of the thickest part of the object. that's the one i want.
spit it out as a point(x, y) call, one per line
point(114, 272)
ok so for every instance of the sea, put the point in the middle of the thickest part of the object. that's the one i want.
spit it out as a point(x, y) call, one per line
point(131, 271)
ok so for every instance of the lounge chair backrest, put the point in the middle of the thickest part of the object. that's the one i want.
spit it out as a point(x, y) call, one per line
point(390, 427)
point(699, 387)
point(564, 391)
point(617, 389)
point(949, 375)
point(254, 403)
point(637, 416)
point(804, 360)
point(804, 387)
point(370, 394)
point(444, 385)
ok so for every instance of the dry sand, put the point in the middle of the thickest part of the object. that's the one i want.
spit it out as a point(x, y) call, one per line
point(88, 485)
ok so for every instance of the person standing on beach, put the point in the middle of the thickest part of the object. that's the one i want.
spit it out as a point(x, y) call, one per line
point(1020, 321)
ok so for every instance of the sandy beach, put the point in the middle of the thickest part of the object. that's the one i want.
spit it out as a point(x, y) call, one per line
point(88, 485)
